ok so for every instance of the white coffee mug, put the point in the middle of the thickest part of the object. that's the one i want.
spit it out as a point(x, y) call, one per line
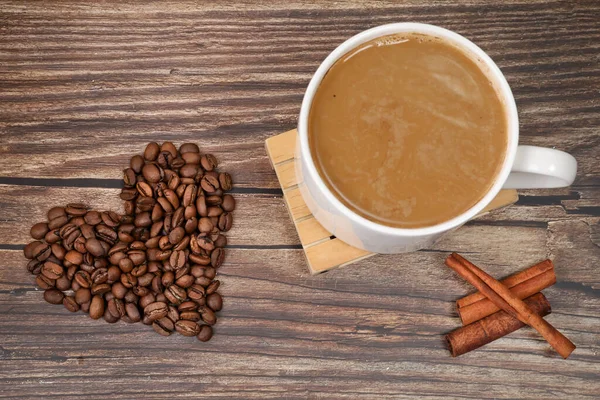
point(525, 167)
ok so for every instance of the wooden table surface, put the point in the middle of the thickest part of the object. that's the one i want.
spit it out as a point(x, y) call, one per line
point(83, 87)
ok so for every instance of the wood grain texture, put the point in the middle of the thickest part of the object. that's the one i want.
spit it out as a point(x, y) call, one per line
point(83, 86)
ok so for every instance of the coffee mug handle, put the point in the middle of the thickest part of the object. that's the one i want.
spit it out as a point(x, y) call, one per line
point(540, 167)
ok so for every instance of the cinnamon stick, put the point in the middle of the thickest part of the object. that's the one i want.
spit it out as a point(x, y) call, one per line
point(495, 326)
point(504, 299)
point(484, 307)
point(511, 281)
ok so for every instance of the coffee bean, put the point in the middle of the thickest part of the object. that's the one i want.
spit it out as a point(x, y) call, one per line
point(144, 189)
point(63, 283)
point(137, 257)
point(82, 295)
point(163, 326)
point(57, 222)
point(52, 270)
point(191, 158)
point(155, 311)
point(183, 244)
point(54, 296)
point(143, 220)
point(205, 333)
point(94, 247)
point(190, 315)
point(208, 315)
point(228, 203)
point(177, 259)
point(201, 259)
point(145, 203)
point(116, 308)
point(151, 173)
point(214, 285)
point(225, 181)
point(176, 235)
point(52, 237)
point(151, 151)
point(204, 225)
point(187, 328)
point(39, 230)
point(185, 281)
point(129, 178)
point(214, 301)
point(44, 282)
point(92, 218)
point(221, 241)
point(169, 147)
point(175, 294)
point(136, 163)
point(128, 193)
point(85, 230)
point(128, 280)
point(132, 312)
point(55, 212)
point(209, 184)
point(70, 304)
point(189, 148)
point(189, 170)
point(217, 257)
point(100, 289)
point(83, 279)
point(196, 292)
point(208, 162)
point(191, 224)
point(76, 209)
point(225, 222)
point(74, 257)
point(189, 195)
point(187, 306)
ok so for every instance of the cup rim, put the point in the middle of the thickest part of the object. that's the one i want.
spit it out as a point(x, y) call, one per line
point(463, 43)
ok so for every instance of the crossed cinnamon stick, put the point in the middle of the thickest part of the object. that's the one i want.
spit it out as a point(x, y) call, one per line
point(509, 302)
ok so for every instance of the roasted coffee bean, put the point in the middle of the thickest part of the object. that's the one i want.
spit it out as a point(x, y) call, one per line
point(76, 209)
point(139, 270)
point(41, 251)
point(190, 225)
point(140, 290)
point(143, 220)
point(28, 250)
point(52, 270)
point(209, 184)
point(130, 297)
point(92, 218)
point(128, 280)
point(100, 288)
point(209, 162)
point(164, 243)
point(125, 264)
point(39, 230)
point(63, 283)
point(225, 181)
point(214, 211)
point(118, 290)
point(136, 163)
point(146, 279)
point(228, 203)
point(55, 212)
point(128, 193)
point(79, 245)
point(189, 148)
point(217, 257)
point(214, 301)
point(111, 219)
point(201, 259)
point(173, 182)
point(191, 158)
point(151, 173)
point(169, 147)
point(70, 304)
point(158, 255)
point(137, 257)
point(82, 295)
point(129, 207)
point(129, 178)
point(52, 237)
point(44, 282)
point(95, 247)
point(205, 243)
point(35, 267)
point(147, 299)
point(145, 204)
point(114, 274)
point(183, 244)
point(163, 326)
point(189, 315)
point(225, 222)
point(214, 285)
point(204, 225)
point(177, 259)
point(164, 159)
point(151, 151)
point(74, 257)
point(188, 170)
point(144, 189)
point(168, 278)
point(132, 312)
point(175, 294)
point(208, 315)
point(156, 310)
point(201, 206)
point(187, 328)
point(167, 223)
point(171, 197)
point(116, 308)
point(187, 306)
point(205, 333)
point(85, 230)
point(54, 296)
point(221, 241)
point(108, 317)
point(213, 200)
point(196, 292)
point(176, 235)
point(177, 218)
point(165, 205)
point(189, 195)
point(185, 281)
point(97, 307)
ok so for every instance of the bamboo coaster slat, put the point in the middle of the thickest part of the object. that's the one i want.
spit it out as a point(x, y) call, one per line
point(322, 250)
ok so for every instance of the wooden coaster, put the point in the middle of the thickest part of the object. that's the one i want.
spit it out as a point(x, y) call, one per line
point(324, 251)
